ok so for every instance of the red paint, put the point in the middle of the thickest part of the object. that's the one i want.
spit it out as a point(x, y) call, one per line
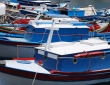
point(21, 21)
point(32, 58)
point(54, 71)
point(18, 6)
point(40, 62)
point(22, 28)
point(94, 27)
point(107, 29)
point(58, 76)
point(88, 54)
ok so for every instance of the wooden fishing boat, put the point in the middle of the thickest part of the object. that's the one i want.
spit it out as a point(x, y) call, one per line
point(61, 63)
point(36, 34)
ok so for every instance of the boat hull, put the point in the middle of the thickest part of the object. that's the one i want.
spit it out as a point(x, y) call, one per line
point(11, 76)
point(7, 79)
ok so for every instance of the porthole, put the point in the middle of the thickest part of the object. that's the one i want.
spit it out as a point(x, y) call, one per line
point(102, 56)
point(75, 60)
point(45, 57)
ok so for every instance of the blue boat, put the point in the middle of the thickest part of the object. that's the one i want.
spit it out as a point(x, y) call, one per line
point(83, 62)
point(17, 30)
point(86, 13)
point(41, 8)
point(37, 33)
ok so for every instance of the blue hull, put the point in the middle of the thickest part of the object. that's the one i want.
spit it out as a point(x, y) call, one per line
point(24, 12)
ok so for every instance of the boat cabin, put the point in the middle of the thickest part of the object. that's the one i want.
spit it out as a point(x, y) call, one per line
point(85, 55)
point(64, 32)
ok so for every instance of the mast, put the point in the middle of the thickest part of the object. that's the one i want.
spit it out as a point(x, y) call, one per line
point(51, 34)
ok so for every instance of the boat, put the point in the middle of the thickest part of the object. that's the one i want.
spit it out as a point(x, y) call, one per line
point(99, 27)
point(81, 62)
point(88, 13)
point(18, 27)
point(35, 9)
point(19, 24)
point(36, 33)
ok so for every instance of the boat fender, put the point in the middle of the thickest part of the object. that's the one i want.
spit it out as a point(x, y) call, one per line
point(2, 63)
point(40, 62)
point(75, 60)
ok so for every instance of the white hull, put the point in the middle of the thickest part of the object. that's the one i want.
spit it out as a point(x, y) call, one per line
point(10, 51)
point(7, 79)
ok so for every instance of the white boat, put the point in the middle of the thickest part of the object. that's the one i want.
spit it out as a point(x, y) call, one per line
point(61, 63)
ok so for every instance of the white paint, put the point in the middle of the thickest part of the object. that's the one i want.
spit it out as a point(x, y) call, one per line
point(59, 26)
point(2, 9)
point(41, 52)
point(52, 56)
point(63, 48)
point(32, 67)
point(16, 39)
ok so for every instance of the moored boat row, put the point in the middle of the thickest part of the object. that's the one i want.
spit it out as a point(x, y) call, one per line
point(55, 47)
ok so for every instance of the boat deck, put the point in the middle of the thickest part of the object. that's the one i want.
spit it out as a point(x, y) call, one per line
point(27, 65)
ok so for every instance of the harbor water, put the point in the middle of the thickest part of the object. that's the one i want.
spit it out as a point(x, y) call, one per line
point(99, 4)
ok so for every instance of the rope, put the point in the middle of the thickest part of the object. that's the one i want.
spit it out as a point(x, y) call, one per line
point(25, 46)
point(35, 76)
point(43, 37)
point(59, 35)
point(11, 30)
point(60, 41)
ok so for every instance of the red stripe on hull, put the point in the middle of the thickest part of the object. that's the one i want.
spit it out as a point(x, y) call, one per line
point(83, 76)
point(23, 58)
